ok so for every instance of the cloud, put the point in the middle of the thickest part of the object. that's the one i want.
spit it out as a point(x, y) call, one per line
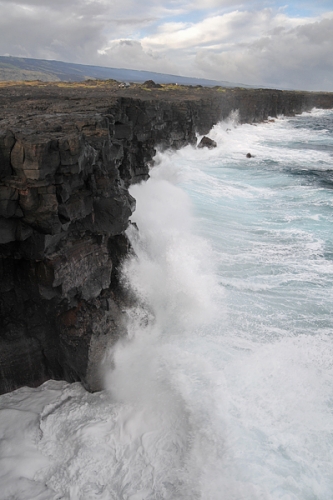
point(130, 54)
point(218, 39)
point(298, 57)
point(31, 31)
point(209, 31)
point(71, 30)
point(255, 47)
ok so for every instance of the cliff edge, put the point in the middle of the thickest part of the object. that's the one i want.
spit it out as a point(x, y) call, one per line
point(68, 153)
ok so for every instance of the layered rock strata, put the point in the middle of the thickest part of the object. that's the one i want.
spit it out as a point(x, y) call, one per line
point(67, 157)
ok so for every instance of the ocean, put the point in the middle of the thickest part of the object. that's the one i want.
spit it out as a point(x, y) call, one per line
point(223, 387)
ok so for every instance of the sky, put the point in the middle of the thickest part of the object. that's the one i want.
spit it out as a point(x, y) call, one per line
point(269, 43)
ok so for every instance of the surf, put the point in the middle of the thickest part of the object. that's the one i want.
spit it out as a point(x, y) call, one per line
point(222, 387)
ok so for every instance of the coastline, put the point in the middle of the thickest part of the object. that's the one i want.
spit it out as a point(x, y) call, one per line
point(68, 154)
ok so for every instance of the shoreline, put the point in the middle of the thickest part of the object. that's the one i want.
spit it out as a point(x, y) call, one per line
point(68, 154)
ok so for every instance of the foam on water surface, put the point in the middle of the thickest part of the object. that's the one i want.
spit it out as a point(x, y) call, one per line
point(223, 388)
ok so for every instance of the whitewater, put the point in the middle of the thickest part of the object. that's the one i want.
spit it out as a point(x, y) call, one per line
point(223, 387)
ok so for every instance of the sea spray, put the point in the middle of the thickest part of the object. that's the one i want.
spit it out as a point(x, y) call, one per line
point(172, 276)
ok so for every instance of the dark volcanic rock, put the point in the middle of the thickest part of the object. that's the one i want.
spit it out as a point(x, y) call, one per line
point(7, 141)
point(150, 84)
point(67, 157)
point(206, 142)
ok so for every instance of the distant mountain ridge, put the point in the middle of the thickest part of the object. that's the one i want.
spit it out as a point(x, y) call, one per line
point(20, 69)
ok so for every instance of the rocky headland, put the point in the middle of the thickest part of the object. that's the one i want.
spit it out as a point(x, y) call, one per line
point(68, 153)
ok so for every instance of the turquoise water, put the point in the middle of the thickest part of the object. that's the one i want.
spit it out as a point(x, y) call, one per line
point(223, 387)
point(270, 220)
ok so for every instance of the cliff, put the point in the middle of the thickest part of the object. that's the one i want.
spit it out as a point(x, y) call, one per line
point(68, 154)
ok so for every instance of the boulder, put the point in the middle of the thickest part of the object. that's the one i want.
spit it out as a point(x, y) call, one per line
point(206, 142)
point(150, 84)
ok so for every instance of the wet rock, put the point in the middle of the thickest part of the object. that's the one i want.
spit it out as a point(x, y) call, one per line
point(83, 267)
point(206, 142)
point(111, 215)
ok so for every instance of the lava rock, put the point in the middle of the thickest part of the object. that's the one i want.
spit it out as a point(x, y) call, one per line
point(7, 141)
point(150, 84)
point(206, 142)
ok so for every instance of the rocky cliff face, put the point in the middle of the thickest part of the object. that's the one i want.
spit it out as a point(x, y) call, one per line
point(67, 157)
